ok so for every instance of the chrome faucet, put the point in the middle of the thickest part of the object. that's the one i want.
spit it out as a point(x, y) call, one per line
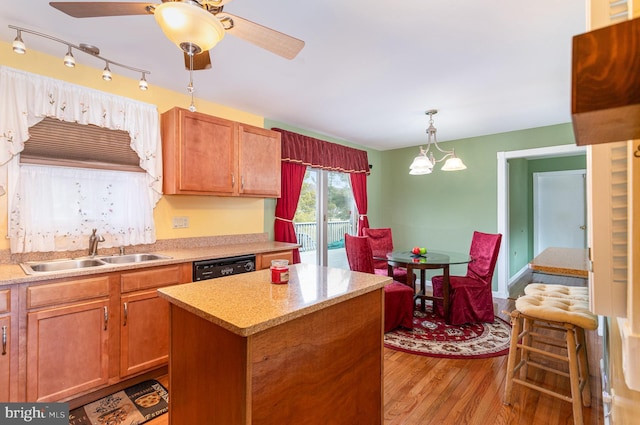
point(93, 243)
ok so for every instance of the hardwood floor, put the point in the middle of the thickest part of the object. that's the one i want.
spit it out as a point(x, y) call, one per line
point(421, 390)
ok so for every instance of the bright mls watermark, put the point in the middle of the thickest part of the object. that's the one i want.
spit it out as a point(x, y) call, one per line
point(34, 413)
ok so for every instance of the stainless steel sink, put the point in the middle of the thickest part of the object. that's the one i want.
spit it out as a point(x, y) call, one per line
point(133, 258)
point(39, 267)
point(34, 267)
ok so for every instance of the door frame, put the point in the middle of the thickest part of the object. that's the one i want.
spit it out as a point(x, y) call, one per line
point(502, 267)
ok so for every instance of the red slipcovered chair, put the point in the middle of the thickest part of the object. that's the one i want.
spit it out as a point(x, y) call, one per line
point(470, 295)
point(398, 297)
point(381, 241)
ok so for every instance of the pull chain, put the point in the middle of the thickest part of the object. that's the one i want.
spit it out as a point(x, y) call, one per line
point(190, 88)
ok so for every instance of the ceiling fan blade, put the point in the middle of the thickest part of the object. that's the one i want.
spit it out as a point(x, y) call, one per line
point(200, 61)
point(276, 42)
point(89, 9)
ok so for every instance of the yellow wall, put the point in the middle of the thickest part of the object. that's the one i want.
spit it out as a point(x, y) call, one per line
point(208, 215)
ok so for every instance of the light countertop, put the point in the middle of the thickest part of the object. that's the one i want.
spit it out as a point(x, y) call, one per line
point(13, 273)
point(562, 261)
point(248, 303)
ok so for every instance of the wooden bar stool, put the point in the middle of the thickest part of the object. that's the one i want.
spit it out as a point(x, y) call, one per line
point(558, 291)
point(536, 322)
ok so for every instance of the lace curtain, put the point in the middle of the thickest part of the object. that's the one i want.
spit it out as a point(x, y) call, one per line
point(58, 206)
point(27, 99)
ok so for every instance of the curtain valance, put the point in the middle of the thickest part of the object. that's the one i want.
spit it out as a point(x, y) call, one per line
point(28, 98)
point(321, 154)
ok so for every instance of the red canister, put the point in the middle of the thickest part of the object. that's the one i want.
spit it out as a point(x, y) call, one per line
point(279, 271)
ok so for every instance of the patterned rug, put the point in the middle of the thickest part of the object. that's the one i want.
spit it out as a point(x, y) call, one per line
point(132, 406)
point(431, 336)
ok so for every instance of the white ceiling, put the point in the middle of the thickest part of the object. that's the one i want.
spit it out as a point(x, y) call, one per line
point(369, 69)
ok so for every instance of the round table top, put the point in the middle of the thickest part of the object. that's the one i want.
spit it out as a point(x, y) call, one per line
point(430, 258)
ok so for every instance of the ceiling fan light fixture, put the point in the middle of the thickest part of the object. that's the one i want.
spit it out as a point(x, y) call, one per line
point(187, 23)
point(18, 45)
point(69, 60)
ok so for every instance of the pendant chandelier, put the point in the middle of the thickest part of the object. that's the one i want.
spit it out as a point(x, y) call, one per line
point(425, 161)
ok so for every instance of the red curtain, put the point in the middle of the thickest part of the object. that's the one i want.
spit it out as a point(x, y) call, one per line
point(300, 152)
point(292, 176)
point(359, 187)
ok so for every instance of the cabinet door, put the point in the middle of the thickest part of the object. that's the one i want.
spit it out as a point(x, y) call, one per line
point(67, 350)
point(199, 153)
point(259, 161)
point(5, 359)
point(144, 332)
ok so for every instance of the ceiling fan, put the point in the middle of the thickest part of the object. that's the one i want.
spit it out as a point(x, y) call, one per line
point(195, 26)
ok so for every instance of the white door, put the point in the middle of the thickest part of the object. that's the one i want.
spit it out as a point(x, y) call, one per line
point(559, 210)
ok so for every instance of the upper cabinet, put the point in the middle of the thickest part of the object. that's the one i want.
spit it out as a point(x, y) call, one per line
point(206, 155)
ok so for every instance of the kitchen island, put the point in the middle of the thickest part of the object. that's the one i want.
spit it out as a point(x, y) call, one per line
point(245, 351)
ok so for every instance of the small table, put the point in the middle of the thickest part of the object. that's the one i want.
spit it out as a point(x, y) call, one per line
point(431, 260)
point(562, 261)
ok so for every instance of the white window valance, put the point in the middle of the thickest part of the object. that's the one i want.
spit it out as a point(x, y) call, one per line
point(28, 98)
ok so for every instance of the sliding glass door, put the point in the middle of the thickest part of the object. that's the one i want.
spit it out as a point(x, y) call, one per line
point(326, 211)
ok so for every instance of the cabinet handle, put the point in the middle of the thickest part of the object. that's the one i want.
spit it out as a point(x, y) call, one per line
point(242, 182)
point(233, 180)
point(126, 314)
point(106, 317)
point(4, 340)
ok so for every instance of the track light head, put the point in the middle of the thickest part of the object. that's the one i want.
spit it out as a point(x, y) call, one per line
point(69, 60)
point(142, 84)
point(106, 74)
point(18, 44)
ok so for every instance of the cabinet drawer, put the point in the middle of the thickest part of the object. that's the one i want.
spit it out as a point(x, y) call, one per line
point(154, 278)
point(5, 301)
point(69, 291)
point(264, 260)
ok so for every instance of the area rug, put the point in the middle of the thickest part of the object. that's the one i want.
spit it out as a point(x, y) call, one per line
point(431, 336)
point(132, 406)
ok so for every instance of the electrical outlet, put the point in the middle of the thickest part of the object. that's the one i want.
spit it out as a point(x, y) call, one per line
point(180, 222)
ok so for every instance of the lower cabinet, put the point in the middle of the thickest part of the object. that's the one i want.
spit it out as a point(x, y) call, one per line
point(8, 351)
point(144, 318)
point(144, 333)
point(263, 261)
point(84, 334)
point(67, 350)
point(5, 360)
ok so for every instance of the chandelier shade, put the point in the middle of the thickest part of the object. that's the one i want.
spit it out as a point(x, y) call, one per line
point(425, 161)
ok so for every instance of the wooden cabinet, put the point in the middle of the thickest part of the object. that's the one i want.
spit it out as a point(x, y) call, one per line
point(8, 351)
point(263, 261)
point(67, 339)
point(206, 155)
point(144, 318)
point(86, 333)
point(259, 161)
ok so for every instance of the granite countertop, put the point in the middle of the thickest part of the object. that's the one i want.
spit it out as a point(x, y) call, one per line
point(562, 261)
point(248, 303)
point(11, 274)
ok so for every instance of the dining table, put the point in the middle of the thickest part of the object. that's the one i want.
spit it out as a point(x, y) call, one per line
point(421, 263)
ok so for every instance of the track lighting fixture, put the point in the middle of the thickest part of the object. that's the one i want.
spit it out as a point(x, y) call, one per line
point(106, 74)
point(18, 45)
point(142, 84)
point(69, 60)
point(20, 48)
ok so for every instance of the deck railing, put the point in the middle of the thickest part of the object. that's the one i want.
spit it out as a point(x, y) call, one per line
point(306, 234)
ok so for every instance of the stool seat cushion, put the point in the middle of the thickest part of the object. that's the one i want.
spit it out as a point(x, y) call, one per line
point(560, 310)
point(558, 291)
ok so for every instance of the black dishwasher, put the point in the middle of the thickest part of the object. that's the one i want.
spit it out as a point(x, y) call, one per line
point(220, 267)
